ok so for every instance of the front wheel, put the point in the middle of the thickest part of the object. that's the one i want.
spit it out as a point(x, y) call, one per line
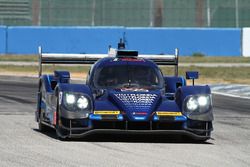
point(41, 126)
point(59, 132)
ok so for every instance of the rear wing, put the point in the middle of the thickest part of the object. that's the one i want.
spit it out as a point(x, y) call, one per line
point(62, 58)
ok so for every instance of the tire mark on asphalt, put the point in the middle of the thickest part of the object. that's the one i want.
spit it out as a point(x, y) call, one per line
point(110, 148)
point(15, 113)
point(17, 99)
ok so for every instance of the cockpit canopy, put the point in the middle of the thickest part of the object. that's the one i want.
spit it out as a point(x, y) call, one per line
point(128, 76)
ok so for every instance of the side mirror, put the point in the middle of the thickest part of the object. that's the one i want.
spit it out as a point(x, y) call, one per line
point(192, 75)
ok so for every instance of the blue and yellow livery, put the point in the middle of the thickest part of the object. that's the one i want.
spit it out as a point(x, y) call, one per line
point(124, 93)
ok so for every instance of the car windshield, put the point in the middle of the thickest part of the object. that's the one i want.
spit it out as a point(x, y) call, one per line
point(128, 76)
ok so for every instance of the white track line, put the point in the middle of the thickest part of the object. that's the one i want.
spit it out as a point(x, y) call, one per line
point(230, 95)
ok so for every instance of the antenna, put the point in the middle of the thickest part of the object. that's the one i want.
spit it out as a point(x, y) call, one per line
point(121, 44)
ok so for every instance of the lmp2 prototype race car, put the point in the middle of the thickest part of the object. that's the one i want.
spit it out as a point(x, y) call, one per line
point(124, 93)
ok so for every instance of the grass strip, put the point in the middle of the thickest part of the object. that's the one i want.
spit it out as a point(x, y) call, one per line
point(207, 74)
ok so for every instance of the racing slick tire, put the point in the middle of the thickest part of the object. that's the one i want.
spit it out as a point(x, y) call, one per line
point(41, 126)
point(59, 132)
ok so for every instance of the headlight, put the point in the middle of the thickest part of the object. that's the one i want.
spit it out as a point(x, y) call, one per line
point(76, 102)
point(192, 104)
point(197, 104)
point(203, 100)
point(82, 102)
point(70, 98)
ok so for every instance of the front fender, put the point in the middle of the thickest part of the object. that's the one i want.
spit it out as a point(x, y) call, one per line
point(74, 88)
point(186, 91)
point(79, 88)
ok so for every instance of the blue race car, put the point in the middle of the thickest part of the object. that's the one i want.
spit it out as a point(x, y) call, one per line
point(124, 93)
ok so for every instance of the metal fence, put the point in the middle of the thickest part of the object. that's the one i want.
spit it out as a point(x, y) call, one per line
point(15, 12)
point(135, 13)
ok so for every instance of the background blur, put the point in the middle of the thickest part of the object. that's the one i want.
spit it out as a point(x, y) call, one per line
point(213, 35)
point(210, 27)
point(136, 13)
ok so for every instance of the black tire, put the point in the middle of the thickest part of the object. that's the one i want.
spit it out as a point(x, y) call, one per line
point(41, 126)
point(59, 133)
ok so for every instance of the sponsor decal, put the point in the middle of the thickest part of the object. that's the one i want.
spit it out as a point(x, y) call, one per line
point(139, 113)
point(132, 59)
point(106, 112)
point(60, 97)
point(168, 113)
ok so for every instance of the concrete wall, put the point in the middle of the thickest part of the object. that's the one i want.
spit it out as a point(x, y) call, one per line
point(3, 39)
point(209, 41)
point(26, 40)
point(215, 42)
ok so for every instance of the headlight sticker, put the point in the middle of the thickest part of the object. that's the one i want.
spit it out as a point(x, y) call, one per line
point(60, 97)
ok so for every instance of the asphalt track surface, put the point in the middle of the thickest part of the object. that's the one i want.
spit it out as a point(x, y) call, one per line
point(22, 145)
